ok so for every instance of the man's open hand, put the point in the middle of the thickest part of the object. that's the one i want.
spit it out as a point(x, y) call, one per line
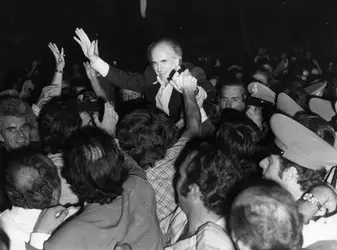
point(90, 49)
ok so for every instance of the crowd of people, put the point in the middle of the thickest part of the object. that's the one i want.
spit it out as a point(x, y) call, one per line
point(187, 155)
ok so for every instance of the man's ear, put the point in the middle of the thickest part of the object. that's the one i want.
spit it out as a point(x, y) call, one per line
point(1, 138)
point(290, 174)
point(194, 192)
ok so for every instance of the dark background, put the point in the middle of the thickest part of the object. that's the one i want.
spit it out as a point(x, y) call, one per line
point(232, 29)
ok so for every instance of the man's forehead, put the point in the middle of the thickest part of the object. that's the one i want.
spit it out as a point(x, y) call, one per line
point(162, 51)
point(13, 121)
point(232, 91)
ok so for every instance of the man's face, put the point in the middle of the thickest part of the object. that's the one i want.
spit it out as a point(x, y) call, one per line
point(271, 168)
point(15, 132)
point(232, 97)
point(164, 60)
point(255, 114)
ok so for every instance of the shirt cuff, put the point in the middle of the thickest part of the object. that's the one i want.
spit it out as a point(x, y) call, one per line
point(100, 66)
point(203, 115)
point(38, 239)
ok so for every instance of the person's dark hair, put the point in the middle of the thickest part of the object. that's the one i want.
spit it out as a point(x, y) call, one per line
point(168, 41)
point(317, 125)
point(265, 217)
point(30, 179)
point(239, 133)
point(223, 84)
point(146, 135)
point(14, 106)
point(94, 166)
point(57, 120)
point(306, 177)
point(299, 96)
point(212, 169)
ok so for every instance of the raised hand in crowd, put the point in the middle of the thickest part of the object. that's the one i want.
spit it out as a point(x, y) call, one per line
point(110, 119)
point(59, 56)
point(27, 87)
point(47, 93)
point(90, 49)
point(211, 236)
point(91, 73)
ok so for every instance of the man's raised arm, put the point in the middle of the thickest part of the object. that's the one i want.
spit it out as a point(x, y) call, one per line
point(119, 78)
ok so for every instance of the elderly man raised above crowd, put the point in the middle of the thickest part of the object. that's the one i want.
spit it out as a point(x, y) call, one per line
point(165, 56)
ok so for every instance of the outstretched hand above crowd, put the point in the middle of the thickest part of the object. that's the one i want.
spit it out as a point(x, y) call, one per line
point(90, 49)
point(59, 56)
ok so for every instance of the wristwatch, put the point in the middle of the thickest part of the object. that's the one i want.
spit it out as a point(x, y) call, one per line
point(309, 197)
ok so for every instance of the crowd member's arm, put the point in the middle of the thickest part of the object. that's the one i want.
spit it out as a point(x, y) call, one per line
point(188, 85)
point(55, 88)
point(60, 63)
point(119, 78)
point(93, 77)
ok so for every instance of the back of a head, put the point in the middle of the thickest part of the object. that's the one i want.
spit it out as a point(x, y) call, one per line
point(32, 180)
point(264, 217)
point(212, 169)
point(239, 133)
point(94, 166)
point(146, 136)
point(14, 106)
point(299, 96)
point(57, 120)
point(317, 125)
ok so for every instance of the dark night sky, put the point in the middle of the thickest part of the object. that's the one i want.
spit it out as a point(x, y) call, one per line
point(212, 25)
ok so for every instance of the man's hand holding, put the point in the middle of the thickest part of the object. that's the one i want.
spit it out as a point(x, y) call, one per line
point(50, 219)
point(185, 82)
point(90, 49)
point(59, 56)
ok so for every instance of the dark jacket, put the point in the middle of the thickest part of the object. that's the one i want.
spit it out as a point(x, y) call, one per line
point(144, 83)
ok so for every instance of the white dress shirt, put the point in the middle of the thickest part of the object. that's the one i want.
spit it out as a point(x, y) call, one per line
point(322, 229)
point(18, 223)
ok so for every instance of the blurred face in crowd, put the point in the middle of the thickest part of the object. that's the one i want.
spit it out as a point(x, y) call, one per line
point(271, 167)
point(255, 114)
point(164, 60)
point(15, 132)
point(232, 97)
